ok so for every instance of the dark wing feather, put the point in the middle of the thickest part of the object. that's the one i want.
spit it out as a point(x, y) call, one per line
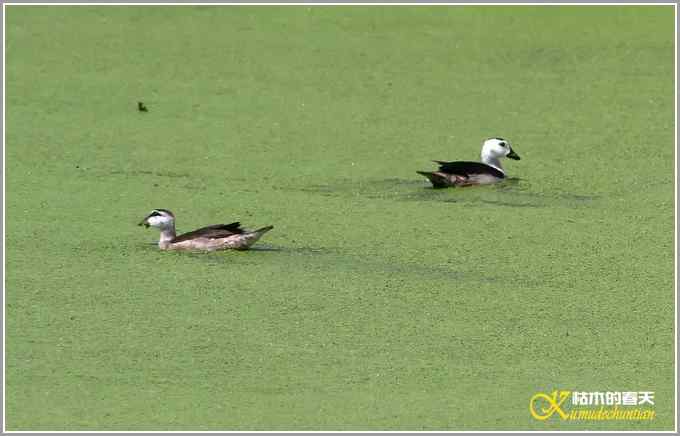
point(211, 232)
point(464, 168)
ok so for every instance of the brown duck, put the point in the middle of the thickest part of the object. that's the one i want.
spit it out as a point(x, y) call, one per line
point(210, 238)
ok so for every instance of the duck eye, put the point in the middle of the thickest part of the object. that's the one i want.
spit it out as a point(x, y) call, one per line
point(154, 213)
point(502, 144)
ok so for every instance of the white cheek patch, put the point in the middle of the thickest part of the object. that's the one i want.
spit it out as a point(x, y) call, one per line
point(156, 221)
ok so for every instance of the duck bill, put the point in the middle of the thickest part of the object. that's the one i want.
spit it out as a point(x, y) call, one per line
point(513, 155)
point(144, 222)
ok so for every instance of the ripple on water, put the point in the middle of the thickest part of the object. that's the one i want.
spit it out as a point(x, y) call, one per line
point(513, 192)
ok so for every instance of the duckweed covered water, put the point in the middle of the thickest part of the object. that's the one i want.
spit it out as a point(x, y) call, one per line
point(376, 303)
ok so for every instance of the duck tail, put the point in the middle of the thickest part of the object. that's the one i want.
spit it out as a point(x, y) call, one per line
point(437, 179)
point(251, 237)
point(263, 230)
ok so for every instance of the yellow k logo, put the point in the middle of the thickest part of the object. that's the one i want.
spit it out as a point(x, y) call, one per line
point(542, 406)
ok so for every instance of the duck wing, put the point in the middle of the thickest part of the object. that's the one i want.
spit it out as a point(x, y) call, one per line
point(211, 232)
point(467, 169)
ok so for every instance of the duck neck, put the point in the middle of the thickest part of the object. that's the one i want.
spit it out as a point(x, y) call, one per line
point(492, 161)
point(167, 234)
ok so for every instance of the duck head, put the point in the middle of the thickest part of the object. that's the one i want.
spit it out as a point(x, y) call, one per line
point(496, 148)
point(159, 218)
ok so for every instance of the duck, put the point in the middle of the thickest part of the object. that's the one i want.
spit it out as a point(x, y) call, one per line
point(210, 238)
point(466, 173)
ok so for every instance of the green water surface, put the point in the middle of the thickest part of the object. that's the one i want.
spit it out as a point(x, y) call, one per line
point(376, 303)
